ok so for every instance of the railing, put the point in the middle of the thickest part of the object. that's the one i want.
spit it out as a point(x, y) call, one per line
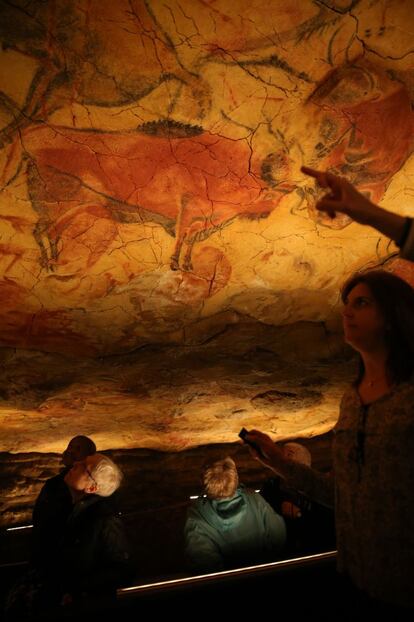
point(252, 571)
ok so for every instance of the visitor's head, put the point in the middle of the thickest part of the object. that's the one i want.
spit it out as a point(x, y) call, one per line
point(220, 479)
point(378, 316)
point(96, 474)
point(78, 448)
point(297, 452)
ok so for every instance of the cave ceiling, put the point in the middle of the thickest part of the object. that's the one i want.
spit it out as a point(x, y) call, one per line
point(150, 184)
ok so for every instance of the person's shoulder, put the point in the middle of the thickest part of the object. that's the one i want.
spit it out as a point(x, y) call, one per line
point(59, 479)
point(55, 484)
point(103, 506)
point(249, 493)
point(254, 498)
point(201, 513)
point(195, 521)
point(195, 510)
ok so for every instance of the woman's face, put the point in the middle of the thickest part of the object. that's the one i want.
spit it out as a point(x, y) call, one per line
point(363, 321)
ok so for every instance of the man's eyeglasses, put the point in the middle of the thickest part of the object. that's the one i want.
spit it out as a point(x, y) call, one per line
point(85, 468)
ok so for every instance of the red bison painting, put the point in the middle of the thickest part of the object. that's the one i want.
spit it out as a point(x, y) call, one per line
point(189, 181)
point(365, 126)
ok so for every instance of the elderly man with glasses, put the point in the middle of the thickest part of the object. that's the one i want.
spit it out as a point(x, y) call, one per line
point(80, 549)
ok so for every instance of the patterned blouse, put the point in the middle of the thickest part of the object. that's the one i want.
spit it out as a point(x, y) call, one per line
point(373, 455)
point(373, 491)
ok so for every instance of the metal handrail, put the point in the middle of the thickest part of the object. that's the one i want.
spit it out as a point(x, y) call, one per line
point(160, 586)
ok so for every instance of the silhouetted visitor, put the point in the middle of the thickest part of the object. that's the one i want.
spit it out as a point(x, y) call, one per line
point(310, 525)
point(81, 551)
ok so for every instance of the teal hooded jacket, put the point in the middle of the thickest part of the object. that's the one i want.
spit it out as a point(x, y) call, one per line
point(233, 532)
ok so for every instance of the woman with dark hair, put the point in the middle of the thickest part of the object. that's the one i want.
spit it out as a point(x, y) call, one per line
point(373, 448)
point(394, 301)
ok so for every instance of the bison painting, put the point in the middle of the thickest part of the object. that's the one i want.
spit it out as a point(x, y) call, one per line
point(365, 130)
point(189, 181)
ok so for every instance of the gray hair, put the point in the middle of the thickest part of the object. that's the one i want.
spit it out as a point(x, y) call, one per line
point(107, 476)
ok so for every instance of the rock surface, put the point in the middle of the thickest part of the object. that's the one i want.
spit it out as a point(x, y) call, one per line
point(150, 163)
point(172, 398)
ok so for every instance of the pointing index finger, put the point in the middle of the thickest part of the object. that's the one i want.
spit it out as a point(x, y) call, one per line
point(318, 175)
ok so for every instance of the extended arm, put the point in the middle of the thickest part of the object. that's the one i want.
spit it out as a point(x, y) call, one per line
point(316, 486)
point(344, 197)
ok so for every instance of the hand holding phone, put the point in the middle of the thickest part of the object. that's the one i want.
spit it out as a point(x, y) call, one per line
point(243, 435)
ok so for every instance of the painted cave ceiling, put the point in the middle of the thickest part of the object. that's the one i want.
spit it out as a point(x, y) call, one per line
point(150, 188)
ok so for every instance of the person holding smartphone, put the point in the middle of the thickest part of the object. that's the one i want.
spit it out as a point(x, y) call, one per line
point(372, 484)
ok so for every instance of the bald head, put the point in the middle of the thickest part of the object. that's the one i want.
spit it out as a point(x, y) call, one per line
point(298, 453)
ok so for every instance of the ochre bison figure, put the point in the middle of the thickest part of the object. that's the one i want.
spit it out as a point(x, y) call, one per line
point(365, 125)
point(189, 181)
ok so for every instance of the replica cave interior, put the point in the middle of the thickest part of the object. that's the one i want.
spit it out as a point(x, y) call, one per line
point(165, 277)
